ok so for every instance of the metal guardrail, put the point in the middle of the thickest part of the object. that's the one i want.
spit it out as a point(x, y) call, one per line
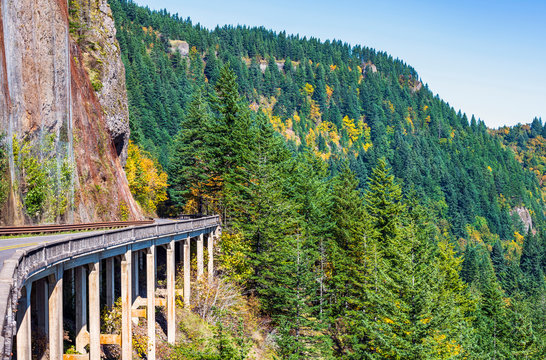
point(43, 229)
point(24, 263)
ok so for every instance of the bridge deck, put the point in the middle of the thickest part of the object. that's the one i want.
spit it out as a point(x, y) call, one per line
point(28, 259)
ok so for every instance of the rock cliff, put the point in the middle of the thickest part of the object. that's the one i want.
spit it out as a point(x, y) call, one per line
point(63, 111)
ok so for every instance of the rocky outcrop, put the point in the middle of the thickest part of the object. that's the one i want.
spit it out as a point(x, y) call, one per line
point(94, 29)
point(64, 165)
point(525, 218)
point(181, 46)
point(369, 66)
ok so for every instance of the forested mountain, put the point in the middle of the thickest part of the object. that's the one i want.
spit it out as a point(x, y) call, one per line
point(340, 101)
point(366, 216)
point(529, 144)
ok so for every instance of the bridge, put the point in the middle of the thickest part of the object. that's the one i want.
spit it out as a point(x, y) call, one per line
point(105, 263)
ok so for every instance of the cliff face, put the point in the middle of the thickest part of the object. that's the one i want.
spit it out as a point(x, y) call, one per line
point(61, 134)
point(92, 25)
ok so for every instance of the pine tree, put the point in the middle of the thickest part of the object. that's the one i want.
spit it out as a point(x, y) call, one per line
point(490, 319)
point(383, 202)
point(189, 162)
point(356, 268)
point(230, 138)
point(530, 265)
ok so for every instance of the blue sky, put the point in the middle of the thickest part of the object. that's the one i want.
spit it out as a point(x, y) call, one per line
point(486, 58)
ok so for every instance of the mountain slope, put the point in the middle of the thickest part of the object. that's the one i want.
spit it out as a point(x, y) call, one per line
point(295, 142)
point(340, 101)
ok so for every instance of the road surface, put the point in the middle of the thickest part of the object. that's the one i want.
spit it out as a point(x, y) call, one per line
point(8, 246)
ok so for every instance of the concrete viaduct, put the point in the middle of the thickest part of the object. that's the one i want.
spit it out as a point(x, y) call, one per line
point(123, 262)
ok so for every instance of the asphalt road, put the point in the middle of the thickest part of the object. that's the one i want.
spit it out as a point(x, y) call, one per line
point(8, 246)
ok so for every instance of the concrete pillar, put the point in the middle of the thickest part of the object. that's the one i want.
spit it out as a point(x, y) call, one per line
point(81, 309)
point(187, 291)
point(210, 250)
point(126, 303)
point(150, 300)
point(94, 311)
point(136, 290)
point(56, 314)
point(24, 343)
point(200, 257)
point(171, 269)
point(110, 297)
point(42, 296)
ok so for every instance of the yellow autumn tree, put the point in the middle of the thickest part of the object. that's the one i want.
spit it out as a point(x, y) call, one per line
point(352, 130)
point(308, 90)
point(147, 180)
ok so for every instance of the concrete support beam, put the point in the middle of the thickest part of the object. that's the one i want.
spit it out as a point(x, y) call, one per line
point(24, 343)
point(210, 250)
point(94, 311)
point(56, 314)
point(150, 300)
point(109, 270)
point(126, 302)
point(81, 309)
point(171, 269)
point(187, 291)
point(200, 257)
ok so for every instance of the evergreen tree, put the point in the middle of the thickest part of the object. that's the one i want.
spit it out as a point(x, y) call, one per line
point(530, 264)
point(357, 281)
point(230, 138)
point(189, 163)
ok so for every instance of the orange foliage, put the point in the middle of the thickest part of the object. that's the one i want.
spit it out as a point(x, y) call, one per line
point(147, 180)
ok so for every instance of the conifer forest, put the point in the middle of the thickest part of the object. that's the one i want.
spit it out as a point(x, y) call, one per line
point(362, 216)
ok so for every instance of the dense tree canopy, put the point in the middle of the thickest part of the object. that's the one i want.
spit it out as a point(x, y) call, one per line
point(368, 217)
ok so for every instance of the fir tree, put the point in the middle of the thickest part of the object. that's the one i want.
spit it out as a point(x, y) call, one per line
point(189, 163)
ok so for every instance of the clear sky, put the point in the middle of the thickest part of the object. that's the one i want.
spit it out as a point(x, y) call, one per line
point(484, 57)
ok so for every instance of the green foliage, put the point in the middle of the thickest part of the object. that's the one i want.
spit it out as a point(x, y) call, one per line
point(110, 319)
point(188, 162)
point(4, 171)
point(307, 161)
point(344, 103)
point(45, 180)
point(97, 85)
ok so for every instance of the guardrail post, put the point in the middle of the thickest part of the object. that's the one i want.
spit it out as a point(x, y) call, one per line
point(56, 314)
point(171, 321)
point(187, 272)
point(126, 328)
point(150, 295)
point(199, 256)
point(24, 342)
point(81, 309)
point(109, 282)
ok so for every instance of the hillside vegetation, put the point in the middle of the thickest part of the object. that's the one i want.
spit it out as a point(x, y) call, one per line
point(366, 216)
